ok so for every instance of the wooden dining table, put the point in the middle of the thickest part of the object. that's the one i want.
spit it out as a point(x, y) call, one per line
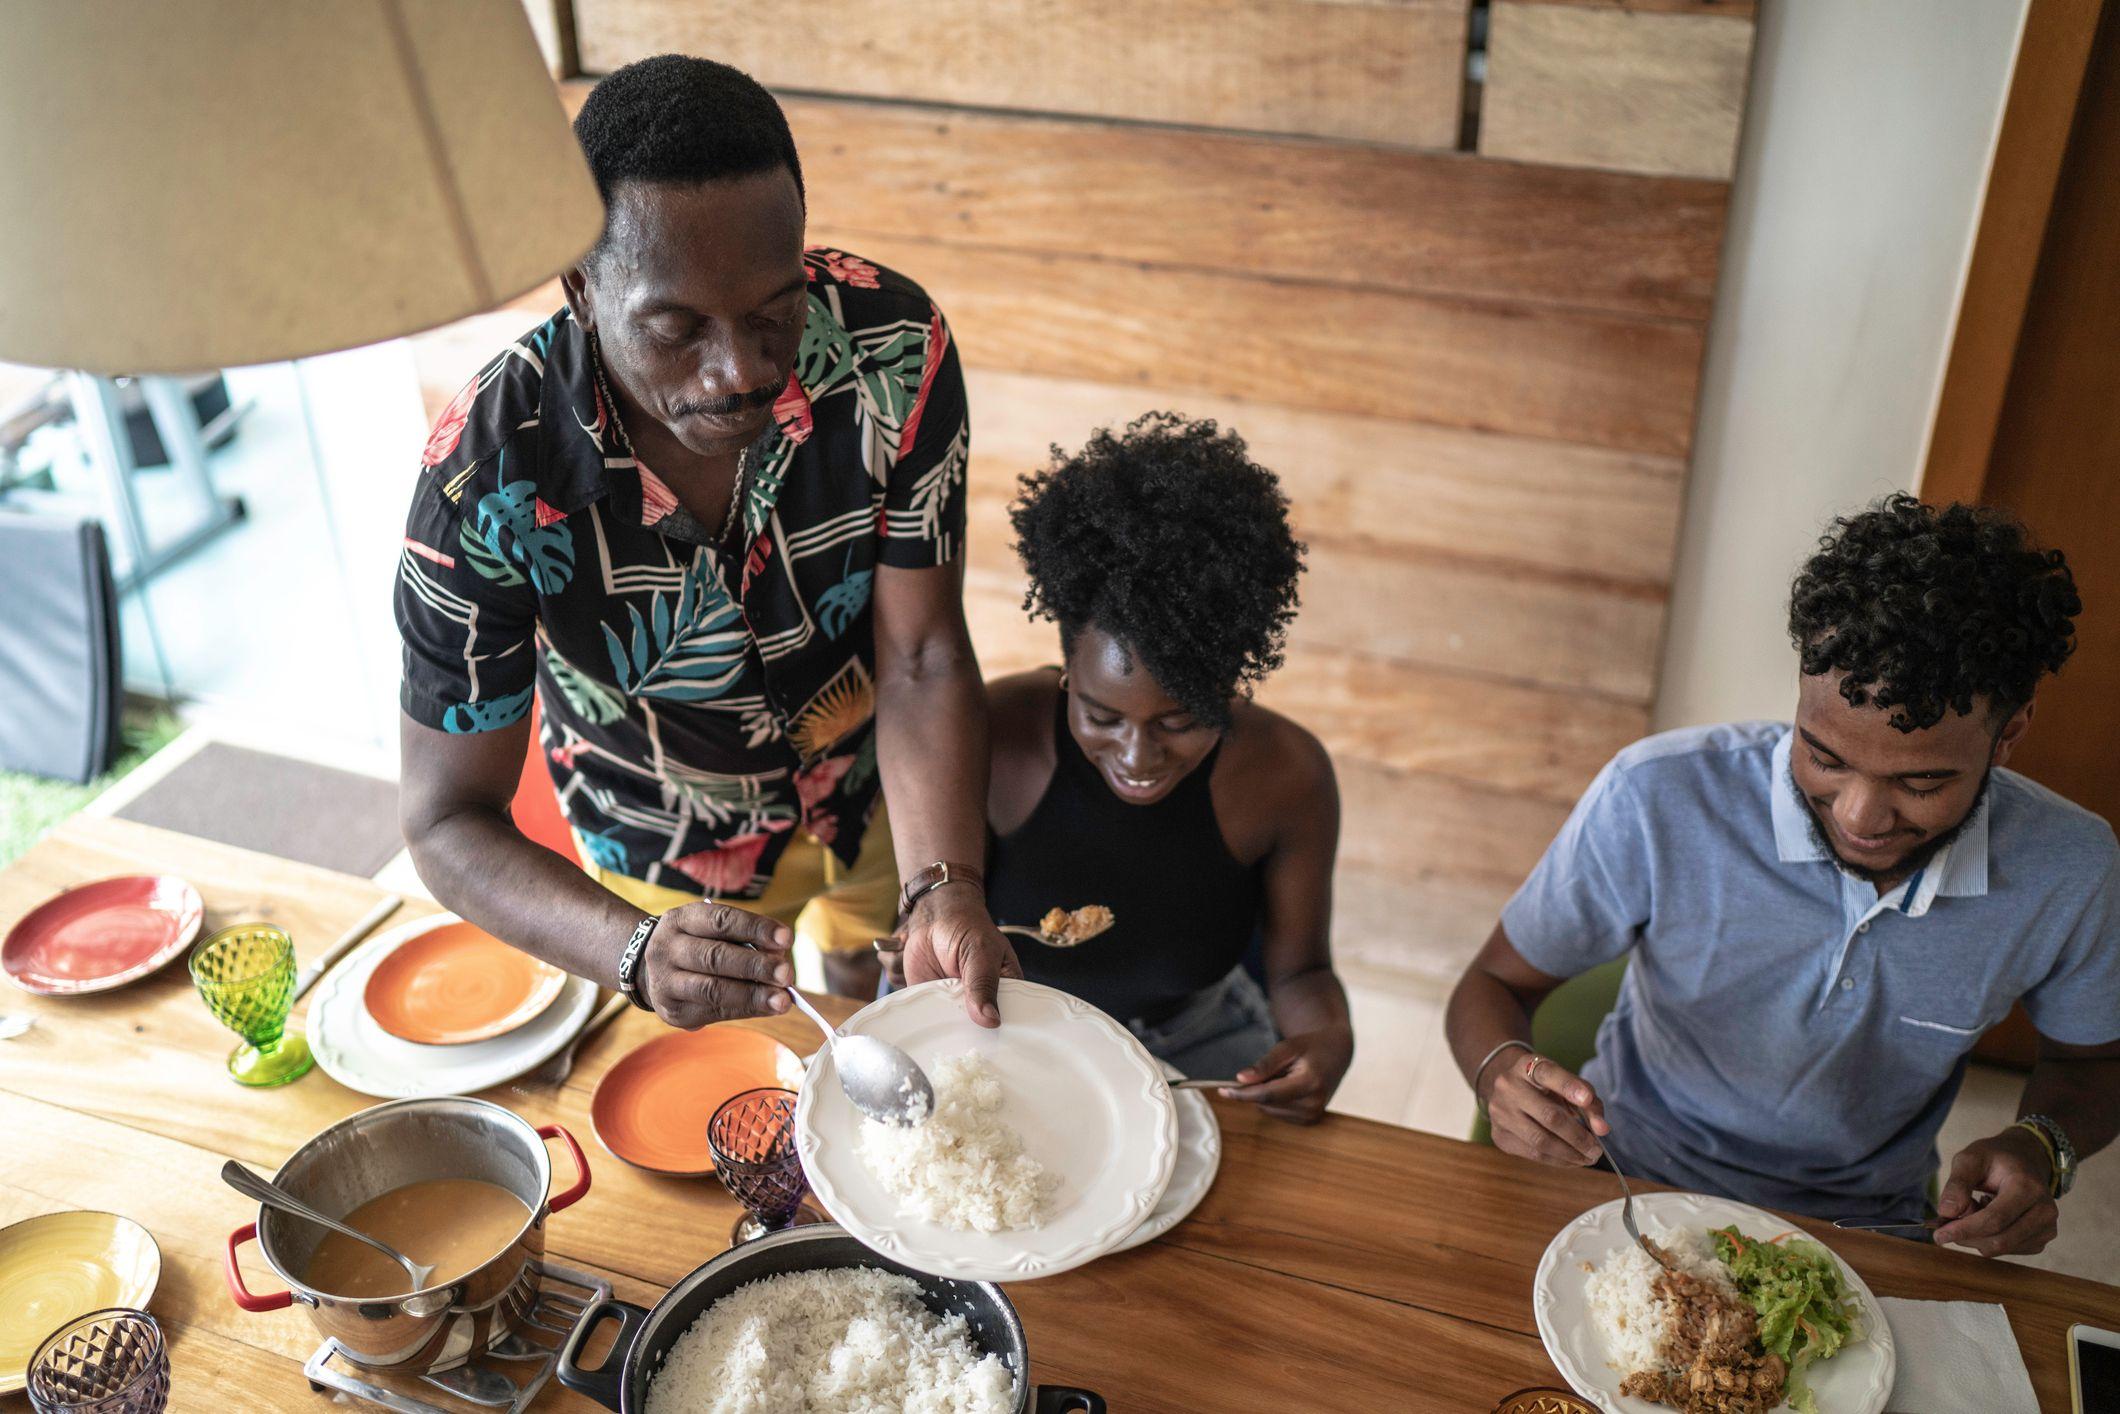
point(1346, 1266)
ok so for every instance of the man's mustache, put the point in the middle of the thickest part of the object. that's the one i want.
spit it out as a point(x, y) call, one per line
point(737, 402)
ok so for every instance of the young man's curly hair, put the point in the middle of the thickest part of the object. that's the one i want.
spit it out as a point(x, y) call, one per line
point(1928, 611)
point(1173, 541)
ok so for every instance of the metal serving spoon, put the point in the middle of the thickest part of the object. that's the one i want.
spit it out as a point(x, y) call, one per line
point(882, 1081)
point(263, 1190)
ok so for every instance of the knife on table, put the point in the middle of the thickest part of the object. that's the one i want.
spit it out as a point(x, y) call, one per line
point(370, 921)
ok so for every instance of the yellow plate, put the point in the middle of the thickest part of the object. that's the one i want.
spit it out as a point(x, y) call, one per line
point(62, 1265)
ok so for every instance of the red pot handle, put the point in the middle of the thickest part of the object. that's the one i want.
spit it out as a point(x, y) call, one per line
point(242, 1293)
point(581, 1167)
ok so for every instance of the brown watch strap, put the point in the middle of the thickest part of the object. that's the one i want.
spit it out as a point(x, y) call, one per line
point(933, 877)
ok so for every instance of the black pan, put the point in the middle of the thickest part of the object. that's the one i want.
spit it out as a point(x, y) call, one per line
point(621, 1382)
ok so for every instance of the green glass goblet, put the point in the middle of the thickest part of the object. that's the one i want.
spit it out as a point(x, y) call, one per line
point(245, 975)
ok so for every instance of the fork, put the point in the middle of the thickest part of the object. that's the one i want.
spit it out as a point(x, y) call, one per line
point(1036, 935)
point(1626, 1207)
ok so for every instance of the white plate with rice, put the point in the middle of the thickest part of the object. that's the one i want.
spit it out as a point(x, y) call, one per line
point(1592, 1324)
point(1097, 1127)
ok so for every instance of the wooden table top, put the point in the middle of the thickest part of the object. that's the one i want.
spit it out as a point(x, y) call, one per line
point(1350, 1266)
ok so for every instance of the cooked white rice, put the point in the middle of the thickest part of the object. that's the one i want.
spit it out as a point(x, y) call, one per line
point(854, 1340)
point(965, 1168)
point(1623, 1300)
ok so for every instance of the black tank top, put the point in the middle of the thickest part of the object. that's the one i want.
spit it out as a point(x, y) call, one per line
point(1185, 908)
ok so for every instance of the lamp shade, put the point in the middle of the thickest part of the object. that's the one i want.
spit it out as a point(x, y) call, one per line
point(193, 184)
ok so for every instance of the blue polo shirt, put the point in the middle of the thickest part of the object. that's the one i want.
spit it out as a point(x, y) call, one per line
point(1785, 1036)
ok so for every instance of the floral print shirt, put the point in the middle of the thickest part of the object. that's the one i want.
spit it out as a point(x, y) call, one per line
point(695, 707)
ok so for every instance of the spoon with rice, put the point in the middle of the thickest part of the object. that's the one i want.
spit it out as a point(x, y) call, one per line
point(880, 1080)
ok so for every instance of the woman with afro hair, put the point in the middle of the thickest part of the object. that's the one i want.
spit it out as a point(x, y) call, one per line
point(1140, 777)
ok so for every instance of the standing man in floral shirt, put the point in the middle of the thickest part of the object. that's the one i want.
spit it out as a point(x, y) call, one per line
point(711, 514)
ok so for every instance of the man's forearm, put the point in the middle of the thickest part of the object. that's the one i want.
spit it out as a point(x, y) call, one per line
point(1483, 1013)
point(931, 748)
point(479, 865)
point(2082, 1096)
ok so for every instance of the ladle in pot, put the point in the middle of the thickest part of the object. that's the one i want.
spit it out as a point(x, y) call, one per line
point(263, 1190)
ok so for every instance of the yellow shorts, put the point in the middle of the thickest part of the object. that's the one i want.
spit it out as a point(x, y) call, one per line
point(841, 910)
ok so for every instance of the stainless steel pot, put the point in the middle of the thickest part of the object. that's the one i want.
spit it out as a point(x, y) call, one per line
point(365, 1156)
point(645, 1337)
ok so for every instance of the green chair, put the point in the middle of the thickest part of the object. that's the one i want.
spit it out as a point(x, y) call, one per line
point(1564, 1028)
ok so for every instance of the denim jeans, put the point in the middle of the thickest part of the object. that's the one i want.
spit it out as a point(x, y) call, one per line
point(1223, 1029)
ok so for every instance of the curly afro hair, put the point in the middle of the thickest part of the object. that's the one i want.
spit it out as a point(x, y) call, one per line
point(1171, 539)
point(680, 120)
point(1928, 611)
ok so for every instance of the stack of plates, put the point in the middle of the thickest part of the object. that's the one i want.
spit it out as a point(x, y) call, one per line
point(439, 1007)
point(1131, 1156)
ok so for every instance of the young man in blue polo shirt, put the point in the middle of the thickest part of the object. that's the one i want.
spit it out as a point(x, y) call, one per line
point(1822, 917)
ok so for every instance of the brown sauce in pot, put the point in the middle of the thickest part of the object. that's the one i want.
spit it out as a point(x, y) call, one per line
point(456, 1224)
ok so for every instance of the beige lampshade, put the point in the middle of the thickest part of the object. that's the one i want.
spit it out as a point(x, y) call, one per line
point(194, 184)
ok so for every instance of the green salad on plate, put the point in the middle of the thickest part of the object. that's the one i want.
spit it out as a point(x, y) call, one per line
point(1805, 1312)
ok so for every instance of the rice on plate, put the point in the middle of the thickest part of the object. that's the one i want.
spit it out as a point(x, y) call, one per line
point(853, 1340)
point(965, 1167)
point(1730, 1328)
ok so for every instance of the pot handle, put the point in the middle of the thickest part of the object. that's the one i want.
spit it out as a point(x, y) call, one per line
point(606, 1383)
point(242, 1293)
point(1066, 1399)
point(581, 1168)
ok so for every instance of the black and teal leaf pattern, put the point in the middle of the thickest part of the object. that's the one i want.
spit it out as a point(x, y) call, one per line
point(694, 654)
point(483, 559)
point(603, 851)
point(864, 767)
point(507, 518)
point(492, 714)
point(839, 606)
point(590, 699)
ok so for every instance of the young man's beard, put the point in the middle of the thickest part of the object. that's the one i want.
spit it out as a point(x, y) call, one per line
point(1913, 860)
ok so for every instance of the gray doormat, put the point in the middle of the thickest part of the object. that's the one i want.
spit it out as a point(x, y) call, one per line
point(277, 805)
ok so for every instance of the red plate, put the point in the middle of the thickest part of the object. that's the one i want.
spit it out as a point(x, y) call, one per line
point(651, 1108)
point(102, 935)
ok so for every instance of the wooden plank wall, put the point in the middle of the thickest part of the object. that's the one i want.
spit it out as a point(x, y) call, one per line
point(1474, 371)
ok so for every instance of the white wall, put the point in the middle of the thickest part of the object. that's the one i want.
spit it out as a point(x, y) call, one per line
point(1866, 145)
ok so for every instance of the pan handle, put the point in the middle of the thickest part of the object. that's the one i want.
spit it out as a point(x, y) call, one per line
point(1066, 1399)
point(242, 1293)
point(581, 1168)
point(606, 1383)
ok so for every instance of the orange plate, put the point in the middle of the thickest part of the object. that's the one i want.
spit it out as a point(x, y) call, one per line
point(651, 1109)
point(456, 984)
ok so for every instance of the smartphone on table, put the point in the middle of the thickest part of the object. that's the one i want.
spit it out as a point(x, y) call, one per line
point(2094, 1369)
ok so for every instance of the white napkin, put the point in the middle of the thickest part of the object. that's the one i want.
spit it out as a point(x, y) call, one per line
point(1956, 1357)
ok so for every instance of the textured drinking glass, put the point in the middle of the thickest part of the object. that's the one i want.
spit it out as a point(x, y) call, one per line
point(107, 1362)
point(246, 976)
point(752, 1136)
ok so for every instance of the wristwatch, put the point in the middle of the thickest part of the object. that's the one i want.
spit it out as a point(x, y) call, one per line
point(933, 877)
point(632, 977)
point(2059, 1149)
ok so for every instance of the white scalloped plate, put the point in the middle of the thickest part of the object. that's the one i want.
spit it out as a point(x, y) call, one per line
point(361, 1055)
point(1856, 1381)
point(1199, 1160)
point(1090, 1103)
